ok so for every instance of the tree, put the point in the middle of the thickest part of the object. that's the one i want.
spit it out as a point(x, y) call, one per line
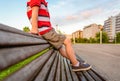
point(85, 40)
point(26, 29)
point(77, 40)
point(118, 37)
point(105, 37)
point(92, 40)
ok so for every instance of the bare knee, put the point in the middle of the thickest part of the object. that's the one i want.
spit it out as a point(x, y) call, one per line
point(67, 41)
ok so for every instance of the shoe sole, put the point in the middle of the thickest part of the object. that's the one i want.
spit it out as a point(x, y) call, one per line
point(84, 69)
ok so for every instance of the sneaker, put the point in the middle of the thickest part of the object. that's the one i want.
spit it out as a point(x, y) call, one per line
point(82, 61)
point(81, 67)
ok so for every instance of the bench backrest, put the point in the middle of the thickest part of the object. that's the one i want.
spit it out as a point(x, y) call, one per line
point(19, 49)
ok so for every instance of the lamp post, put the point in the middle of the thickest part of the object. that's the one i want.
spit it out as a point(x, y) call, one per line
point(100, 37)
point(115, 39)
point(73, 39)
point(100, 27)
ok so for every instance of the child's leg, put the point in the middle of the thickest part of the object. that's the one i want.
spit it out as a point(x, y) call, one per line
point(57, 40)
point(63, 52)
point(68, 52)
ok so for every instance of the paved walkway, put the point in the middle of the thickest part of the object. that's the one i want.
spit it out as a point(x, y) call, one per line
point(105, 58)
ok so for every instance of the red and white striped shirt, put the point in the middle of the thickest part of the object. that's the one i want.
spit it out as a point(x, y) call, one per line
point(44, 24)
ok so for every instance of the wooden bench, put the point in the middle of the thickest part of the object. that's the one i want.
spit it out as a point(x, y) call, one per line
point(26, 57)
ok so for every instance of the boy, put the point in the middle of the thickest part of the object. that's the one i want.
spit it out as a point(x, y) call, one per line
point(39, 17)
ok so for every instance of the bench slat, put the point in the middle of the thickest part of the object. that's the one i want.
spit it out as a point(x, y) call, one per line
point(28, 72)
point(98, 74)
point(10, 56)
point(87, 76)
point(73, 74)
point(81, 76)
point(52, 74)
point(12, 39)
point(16, 31)
point(62, 71)
point(94, 76)
point(57, 78)
point(45, 69)
point(68, 74)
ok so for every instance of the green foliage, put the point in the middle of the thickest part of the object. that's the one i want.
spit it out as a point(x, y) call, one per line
point(59, 31)
point(118, 37)
point(105, 37)
point(77, 40)
point(92, 40)
point(81, 40)
point(85, 40)
point(26, 29)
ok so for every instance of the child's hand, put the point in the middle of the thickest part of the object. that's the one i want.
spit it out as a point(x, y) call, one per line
point(35, 32)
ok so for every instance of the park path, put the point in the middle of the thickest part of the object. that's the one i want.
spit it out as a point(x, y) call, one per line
point(105, 58)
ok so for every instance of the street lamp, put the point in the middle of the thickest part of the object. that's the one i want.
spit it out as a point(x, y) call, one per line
point(100, 27)
point(73, 39)
point(115, 39)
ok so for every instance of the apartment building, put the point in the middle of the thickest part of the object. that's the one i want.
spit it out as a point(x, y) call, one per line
point(117, 25)
point(90, 31)
point(109, 27)
point(112, 26)
point(77, 34)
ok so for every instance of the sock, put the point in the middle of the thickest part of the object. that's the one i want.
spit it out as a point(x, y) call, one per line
point(77, 64)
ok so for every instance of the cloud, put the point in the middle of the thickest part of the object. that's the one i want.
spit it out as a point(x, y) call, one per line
point(74, 14)
point(83, 15)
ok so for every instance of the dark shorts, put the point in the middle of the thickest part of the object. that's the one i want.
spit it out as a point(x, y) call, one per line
point(55, 39)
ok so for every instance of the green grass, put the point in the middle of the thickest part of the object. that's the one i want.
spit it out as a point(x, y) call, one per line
point(12, 69)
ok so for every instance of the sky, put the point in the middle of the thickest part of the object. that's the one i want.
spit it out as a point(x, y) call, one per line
point(69, 15)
